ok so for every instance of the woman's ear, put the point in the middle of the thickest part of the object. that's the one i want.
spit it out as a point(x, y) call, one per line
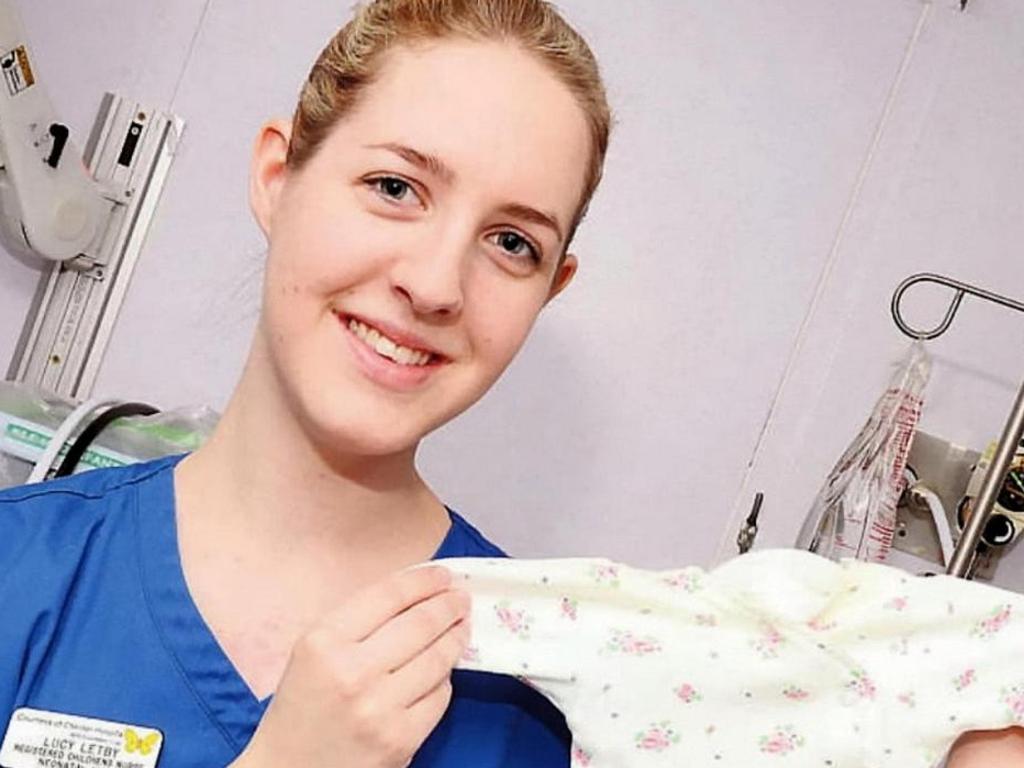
point(563, 275)
point(268, 170)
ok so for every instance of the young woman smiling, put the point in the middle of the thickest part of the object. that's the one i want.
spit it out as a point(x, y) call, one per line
point(249, 604)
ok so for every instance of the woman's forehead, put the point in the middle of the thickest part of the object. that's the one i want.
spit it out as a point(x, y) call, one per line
point(489, 112)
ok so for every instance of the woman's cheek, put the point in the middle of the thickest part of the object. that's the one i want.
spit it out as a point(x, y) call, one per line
point(510, 328)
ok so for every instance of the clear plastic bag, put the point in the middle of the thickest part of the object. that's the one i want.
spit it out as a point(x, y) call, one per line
point(13, 471)
point(29, 417)
point(854, 514)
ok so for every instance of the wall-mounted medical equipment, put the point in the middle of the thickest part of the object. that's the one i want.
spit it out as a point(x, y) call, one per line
point(944, 481)
point(87, 213)
point(936, 476)
point(1005, 522)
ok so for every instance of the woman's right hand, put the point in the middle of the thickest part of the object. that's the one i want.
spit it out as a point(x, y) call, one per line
point(366, 686)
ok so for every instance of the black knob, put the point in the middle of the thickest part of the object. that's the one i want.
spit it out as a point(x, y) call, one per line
point(60, 135)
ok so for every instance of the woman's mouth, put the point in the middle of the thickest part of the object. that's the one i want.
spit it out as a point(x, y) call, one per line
point(386, 347)
point(387, 362)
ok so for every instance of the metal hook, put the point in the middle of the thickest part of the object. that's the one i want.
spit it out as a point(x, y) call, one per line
point(961, 290)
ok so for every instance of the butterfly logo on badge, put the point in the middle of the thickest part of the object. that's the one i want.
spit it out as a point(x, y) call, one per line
point(135, 743)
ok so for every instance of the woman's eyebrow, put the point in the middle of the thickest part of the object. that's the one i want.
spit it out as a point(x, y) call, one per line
point(527, 213)
point(427, 162)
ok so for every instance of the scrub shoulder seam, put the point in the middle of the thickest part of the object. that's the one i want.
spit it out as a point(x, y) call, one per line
point(24, 493)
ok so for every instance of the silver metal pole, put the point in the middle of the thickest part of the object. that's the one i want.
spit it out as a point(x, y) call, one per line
point(982, 508)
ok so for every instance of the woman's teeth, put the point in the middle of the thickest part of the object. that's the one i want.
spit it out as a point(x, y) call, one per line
point(386, 347)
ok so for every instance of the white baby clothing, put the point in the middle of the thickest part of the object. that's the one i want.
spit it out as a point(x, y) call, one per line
point(778, 657)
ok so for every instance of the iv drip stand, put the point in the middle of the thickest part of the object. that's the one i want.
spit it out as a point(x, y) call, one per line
point(963, 556)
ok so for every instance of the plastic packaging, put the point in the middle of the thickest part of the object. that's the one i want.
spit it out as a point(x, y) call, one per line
point(854, 514)
point(29, 417)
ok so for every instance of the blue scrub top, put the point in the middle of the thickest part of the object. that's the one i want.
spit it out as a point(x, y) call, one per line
point(96, 620)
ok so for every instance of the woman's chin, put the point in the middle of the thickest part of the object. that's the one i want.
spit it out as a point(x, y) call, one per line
point(345, 445)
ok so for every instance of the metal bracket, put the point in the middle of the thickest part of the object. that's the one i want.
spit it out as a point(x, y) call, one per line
point(72, 317)
point(748, 531)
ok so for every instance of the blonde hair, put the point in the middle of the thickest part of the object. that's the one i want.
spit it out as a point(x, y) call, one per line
point(349, 62)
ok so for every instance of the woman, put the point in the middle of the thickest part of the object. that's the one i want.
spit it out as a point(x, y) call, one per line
point(418, 210)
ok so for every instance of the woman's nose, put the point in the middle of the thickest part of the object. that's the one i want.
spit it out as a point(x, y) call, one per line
point(431, 279)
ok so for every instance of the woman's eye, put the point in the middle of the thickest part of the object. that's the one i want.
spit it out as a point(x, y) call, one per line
point(515, 244)
point(392, 188)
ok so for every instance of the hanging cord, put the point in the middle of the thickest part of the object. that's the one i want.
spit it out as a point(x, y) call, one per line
point(63, 434)
point(91, 432)
point(931, 500)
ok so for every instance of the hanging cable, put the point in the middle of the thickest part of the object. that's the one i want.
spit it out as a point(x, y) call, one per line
point(63, 434)
point(91, 432)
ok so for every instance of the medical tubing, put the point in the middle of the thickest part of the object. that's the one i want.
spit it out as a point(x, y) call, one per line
point(938, 513)
point(95, 428)
point(63, 433)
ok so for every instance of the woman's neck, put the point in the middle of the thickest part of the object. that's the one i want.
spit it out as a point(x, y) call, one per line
point(260, 488)
point(273, 537)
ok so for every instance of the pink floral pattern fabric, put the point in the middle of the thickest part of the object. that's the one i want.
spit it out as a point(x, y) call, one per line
point(776, 658)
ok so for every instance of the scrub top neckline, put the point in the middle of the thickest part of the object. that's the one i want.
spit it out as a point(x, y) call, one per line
point(218, 686)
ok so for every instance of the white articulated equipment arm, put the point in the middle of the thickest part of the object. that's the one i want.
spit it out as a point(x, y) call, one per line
point(88, 214)
point(50, 205)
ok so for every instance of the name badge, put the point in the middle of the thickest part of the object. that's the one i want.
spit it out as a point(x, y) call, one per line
point(39, 739)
